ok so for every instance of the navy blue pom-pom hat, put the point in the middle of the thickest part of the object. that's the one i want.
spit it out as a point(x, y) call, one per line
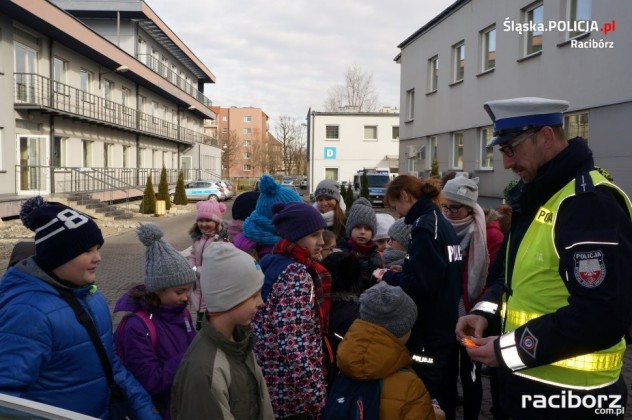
point(61, 233)
point(516, 115)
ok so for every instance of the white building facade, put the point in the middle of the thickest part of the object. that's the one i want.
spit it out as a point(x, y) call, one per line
point(97, 108)
point(341, 143)
point(479, 50)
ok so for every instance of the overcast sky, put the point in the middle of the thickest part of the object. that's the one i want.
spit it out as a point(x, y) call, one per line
point(283, 56)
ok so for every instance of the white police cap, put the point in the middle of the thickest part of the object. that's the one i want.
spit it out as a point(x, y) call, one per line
point(513, 116)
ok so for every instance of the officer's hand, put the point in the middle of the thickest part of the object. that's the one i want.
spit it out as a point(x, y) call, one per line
point(484, 353)
point(470, 326)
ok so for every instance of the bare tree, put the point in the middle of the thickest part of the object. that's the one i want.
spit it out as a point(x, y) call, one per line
point(231, 147)
point(357, 93)
point(288, 133)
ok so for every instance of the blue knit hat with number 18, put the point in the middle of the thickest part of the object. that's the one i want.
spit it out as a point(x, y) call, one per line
point(61, 233)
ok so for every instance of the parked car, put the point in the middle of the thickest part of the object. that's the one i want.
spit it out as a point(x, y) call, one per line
point(19, 408)
point(230, 186)
point(228, 191)
point(303, 184)
point(287, 180)
point(200, 190)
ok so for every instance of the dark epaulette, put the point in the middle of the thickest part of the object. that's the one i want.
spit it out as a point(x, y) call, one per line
point(584, 183)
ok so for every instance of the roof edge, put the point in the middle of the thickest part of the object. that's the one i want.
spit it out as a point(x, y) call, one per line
point(434, 22)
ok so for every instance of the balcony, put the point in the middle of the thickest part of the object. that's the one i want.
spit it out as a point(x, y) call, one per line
point(36, 91)
point(174, 78)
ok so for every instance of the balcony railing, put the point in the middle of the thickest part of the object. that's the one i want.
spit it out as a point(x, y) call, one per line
point(174, 78)
point(35, 90)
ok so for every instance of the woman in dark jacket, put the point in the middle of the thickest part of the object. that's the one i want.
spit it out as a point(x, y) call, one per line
point(431, 275)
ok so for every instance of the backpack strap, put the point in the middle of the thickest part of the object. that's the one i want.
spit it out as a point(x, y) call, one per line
point(149, 326)
point(272, 265)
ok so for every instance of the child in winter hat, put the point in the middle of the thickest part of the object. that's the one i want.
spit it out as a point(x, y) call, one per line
point(399, 233)
point(331, 205)
point(243, 206)
point(361, 214)
point(389, 307)
point(161, 301)
point(381, 238)
point(375, 348)
point(293, 323)
point(61, 233)
point(259, 234)
point(361, 226)
point(206, 230)
point(231, 283)
point(38, 322)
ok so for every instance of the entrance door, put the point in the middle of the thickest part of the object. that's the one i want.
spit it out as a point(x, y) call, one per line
point(34, 172)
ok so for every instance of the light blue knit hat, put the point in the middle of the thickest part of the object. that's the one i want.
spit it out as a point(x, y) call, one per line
point(258, 226)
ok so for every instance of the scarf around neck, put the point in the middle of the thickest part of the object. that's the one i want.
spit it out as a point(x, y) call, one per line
point(320, 277)
point(473, 235)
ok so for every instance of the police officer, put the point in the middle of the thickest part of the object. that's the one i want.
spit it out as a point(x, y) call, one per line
point(565, 300)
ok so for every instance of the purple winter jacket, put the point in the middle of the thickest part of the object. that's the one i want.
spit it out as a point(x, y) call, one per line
point(155, 369)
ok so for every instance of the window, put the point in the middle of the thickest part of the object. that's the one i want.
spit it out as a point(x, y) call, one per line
point(533, 15)
point(141, 107)
point(60, 70)
point(59, 151)
point(395, 132)
point(457, 150)
point(370, 132)
point(247, 118)
point(165, 116)
point(579, 11)
point(247, 131)
point(247, 155)
point(225, 130)
point(458, 61)
point(224, 117)
point(108, 89)
point(107, 155)
point(165, 66)
point(487, 153)
point(331, 132)
point(432, 151)
point(331, 173)
point(247, 167)
point(87, 153)
point(410, 164)
point(247, 143)
point(25, 62)
point(576, 125)
point(125, 95)
point(85, 81)
point(488, 39)
point(154, 112)
point(126, 157)
point(433, 73)
point(410, 105)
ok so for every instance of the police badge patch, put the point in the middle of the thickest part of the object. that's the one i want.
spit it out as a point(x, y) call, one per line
point(529, 342)
point(590, 270)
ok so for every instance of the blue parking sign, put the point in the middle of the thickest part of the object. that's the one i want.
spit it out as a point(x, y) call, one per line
point(330, 152)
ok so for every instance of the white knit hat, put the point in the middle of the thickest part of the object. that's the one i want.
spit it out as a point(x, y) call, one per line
point(384, 222)
point(229, 277)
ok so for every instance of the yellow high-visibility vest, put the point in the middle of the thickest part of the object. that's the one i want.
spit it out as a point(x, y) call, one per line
point(537, 289)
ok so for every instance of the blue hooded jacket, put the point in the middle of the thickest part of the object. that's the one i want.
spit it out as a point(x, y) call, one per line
point(47, 355)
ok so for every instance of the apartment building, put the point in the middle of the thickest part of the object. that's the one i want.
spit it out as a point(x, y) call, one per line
point(475, 51)
point(341, 143)
point(103, 95)
point(249, 149)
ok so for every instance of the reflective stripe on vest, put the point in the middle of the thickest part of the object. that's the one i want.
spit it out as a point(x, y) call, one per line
point(535, 294)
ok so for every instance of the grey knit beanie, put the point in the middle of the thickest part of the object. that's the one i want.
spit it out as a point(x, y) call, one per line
point(389, 307)
point(164, 266)
point(384, 222)
point(229, 277)
point(400, 232)
point(328, 188)
point(462, 190)
point(361, 213)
